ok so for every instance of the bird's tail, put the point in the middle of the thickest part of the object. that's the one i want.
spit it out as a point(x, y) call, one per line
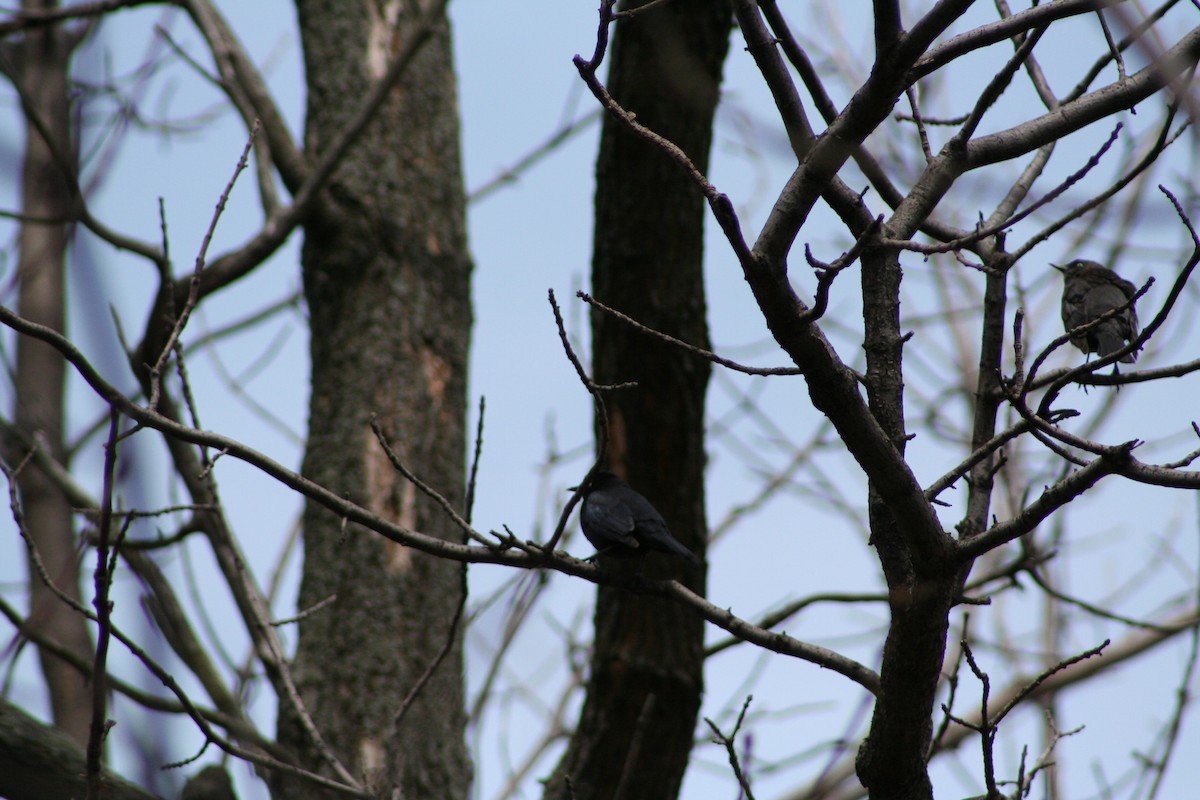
point(679, 549)
point(1109, 342)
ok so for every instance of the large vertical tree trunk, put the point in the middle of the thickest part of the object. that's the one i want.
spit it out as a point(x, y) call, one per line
point(638, 721)
point(386, 277)
point(47, 194)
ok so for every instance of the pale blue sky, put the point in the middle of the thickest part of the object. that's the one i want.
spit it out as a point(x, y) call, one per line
point(517, 85)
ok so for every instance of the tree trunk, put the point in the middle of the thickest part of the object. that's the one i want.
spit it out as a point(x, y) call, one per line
point(41, 763)
point(386, 277)
point(636, 729)
point(48, 194)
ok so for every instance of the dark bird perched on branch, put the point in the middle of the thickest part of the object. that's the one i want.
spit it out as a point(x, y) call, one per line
point(620, 522)
point(1089, 290)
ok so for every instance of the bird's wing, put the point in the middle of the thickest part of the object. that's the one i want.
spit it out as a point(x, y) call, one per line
point(656, 534)
point(1111, 335)
point(652, 528)
point(1073, 302)
point(1105, 298)
point(608, 518)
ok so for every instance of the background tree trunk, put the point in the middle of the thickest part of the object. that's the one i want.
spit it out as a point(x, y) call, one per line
point(47, 193)
point(41, 763)
point(635, 733)
point(386, 276)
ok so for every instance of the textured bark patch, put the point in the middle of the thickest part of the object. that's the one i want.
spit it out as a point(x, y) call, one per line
point(372, 758)
point(380, 478)
point(382, 36)
point(390, 496)
point(618, 435)
point(437, 374)
point(399, 556)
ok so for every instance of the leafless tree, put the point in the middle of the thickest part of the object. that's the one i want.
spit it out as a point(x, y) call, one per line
point(936, 441)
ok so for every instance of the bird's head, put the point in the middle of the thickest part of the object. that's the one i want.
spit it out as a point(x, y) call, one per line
point(601, 480)
point(1078, 265)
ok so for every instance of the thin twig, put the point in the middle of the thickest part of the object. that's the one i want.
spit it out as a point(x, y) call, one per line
point(306, 613)
point(601, 411)
point(352, 512)
point(985, 232)
point(428, 490)
point(730, 744)
point(691, 348)
point(194, 289)
point(102, 579)
point(526, 162)
point(349, 787)
point(469, 501)
point(452, 638)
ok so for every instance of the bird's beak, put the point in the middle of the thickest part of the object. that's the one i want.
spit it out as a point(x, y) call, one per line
point(1060, 269)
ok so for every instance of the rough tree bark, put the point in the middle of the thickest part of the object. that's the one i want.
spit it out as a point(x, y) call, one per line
point(47, 193)
point(386, 277)
point(637, 725)
point(41, 763)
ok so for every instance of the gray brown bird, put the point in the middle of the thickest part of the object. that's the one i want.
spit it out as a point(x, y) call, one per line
point(1089, 290)
point(620, 522)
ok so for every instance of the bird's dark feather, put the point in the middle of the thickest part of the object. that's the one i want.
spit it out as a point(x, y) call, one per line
point(1089, 291)
point(619, 521)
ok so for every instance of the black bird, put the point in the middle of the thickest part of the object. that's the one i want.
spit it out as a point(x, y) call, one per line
point(620, 522)
point(1089, 290)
